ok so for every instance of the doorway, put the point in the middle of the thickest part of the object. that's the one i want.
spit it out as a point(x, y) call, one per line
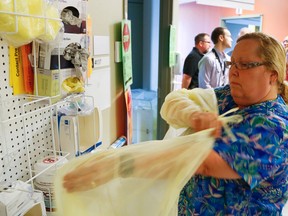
point(234, 24)
point(144, 16)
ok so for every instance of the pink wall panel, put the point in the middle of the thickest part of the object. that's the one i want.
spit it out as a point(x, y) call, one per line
point(275, 16)
point(194, 18)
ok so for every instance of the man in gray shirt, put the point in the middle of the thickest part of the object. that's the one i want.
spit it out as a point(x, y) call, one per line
point(212, 70)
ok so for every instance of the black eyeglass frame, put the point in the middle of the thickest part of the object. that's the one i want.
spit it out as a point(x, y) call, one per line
point(244, 66)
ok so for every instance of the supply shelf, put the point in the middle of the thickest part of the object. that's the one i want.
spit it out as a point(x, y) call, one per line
point(26, 135)
point(27, 122)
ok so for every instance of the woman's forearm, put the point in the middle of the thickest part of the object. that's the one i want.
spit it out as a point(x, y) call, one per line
point(179, 106)
point(215, 166)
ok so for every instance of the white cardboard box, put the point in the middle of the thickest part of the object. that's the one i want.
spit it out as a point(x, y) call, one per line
point(19, 199)
point(77, 9)
point(50, 55)
point(50, 81)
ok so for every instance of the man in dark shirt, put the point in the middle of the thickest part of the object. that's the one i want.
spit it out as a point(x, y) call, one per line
point(190, 69)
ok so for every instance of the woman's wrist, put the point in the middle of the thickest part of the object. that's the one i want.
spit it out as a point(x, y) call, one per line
point(192, 118)
point(126, 166)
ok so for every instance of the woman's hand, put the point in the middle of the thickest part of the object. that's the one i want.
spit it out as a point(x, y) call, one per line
point(91, 173)
point(205, 120)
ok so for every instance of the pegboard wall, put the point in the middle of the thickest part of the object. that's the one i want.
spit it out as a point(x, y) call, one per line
point(25, 128)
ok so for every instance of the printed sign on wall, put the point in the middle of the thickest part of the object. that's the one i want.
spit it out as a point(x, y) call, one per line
point(126, 52)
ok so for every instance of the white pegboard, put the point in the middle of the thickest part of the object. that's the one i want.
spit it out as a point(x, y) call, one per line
point(25, 127)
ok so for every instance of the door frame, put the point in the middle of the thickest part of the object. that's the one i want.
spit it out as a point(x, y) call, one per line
point(164, 77)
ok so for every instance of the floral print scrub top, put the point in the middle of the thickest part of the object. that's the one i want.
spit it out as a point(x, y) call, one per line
point(259, 156)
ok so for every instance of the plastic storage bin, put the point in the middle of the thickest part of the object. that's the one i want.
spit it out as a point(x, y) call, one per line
point(144, 114)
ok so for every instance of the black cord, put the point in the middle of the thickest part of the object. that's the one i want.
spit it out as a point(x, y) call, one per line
point(217, 57)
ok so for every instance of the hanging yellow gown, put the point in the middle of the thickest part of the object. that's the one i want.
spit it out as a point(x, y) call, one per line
point(151, 190)
point(28, 20)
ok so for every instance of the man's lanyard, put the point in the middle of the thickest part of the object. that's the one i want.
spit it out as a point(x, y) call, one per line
point(217, 57)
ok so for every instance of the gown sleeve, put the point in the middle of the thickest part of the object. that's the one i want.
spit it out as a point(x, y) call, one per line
point(179, 105)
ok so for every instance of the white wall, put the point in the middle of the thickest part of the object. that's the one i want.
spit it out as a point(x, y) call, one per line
point(106, 16)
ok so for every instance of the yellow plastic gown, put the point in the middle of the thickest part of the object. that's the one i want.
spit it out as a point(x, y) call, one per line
point(155, 187)
point(28, 20)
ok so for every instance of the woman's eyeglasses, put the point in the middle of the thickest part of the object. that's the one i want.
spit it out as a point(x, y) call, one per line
point(244, 66)
point(206, 42)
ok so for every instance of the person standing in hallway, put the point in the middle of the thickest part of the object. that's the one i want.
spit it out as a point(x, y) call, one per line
point(212, 70)
point(190, 69)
